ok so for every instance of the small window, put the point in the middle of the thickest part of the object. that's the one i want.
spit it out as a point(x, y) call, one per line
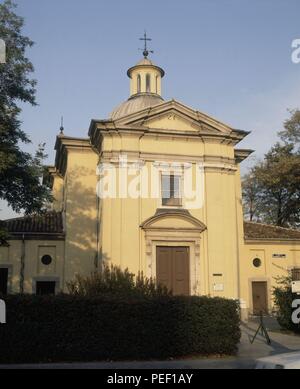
point(170, 190)
point(296, 274)
point(138, 83)
point(156, 84)
point(148, 87)
point(45, 287)
point(46, 259)
point(256, 262)
point(3, 280)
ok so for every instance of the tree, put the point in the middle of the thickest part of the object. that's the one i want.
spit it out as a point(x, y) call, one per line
point(251, 196)
point(273, 187)
point(291, 132)
point(20, 172)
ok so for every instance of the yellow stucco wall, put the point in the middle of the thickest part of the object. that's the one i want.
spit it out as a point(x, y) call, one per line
point(123, 241)
point(58, 192)
point(271, 267)
point(34, 270)
point(80, 216)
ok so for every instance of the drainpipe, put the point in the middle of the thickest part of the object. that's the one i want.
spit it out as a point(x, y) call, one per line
point(22, 265)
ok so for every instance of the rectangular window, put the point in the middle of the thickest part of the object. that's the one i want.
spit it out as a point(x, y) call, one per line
point(3, 280)
point(45, 287)
point(296, 274)
point(170, 190)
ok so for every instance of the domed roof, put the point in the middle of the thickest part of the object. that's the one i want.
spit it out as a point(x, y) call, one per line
point(145, 62)
point(136, 103)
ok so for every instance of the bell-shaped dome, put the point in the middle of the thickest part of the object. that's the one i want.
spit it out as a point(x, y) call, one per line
point(136, 103)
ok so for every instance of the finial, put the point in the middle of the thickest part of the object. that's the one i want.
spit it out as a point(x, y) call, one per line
point(61, 125)
point(145, 50)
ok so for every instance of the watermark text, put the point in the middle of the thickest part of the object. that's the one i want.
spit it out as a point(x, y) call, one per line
point(296, 311)
point(2, 312)
point(2, 51)
point(296, 52)
point(171, 183)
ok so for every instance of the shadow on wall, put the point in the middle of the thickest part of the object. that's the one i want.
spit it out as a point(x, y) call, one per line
point(82, 214)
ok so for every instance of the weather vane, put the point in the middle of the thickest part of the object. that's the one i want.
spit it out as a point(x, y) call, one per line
point(145, 50)
point(61, 125)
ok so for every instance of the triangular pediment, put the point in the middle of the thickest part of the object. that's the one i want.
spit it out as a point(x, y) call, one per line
point(173, 120)
point(174, 116)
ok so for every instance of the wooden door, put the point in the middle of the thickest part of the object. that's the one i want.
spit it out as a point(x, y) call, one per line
point(260, 297)
point(172, 268)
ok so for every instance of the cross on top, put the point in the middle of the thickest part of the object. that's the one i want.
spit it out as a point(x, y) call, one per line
point(146, 51)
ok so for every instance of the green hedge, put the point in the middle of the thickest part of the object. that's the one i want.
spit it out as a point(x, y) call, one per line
point(68, 328)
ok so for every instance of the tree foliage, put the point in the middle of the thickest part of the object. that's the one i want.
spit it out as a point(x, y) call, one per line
point(272, 187)
point(251, 194)
point(20, 172)
point(291, 132)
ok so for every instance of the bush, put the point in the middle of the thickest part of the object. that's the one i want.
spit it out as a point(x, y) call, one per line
point(81, 328)
point(115, 282)
point(283, 298)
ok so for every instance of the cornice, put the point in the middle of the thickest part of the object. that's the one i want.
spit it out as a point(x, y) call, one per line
point(152, 156)
point(36, 236)
point(241, 154)
point(271, 240)
point(63, 145)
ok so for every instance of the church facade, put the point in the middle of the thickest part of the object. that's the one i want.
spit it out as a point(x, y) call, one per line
point(155, 188)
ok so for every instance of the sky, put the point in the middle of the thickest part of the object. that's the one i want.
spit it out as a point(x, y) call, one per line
point(228, 58)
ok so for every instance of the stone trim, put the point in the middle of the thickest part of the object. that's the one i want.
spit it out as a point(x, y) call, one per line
point(164, 236)
point(132, 122)
point(210, 163)
point(271, 241)
point(152, 156)
point(241, 154)
point(189, 239)
point(36, 236)
point(168, 212)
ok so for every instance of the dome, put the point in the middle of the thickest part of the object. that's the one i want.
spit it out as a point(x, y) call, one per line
point(145, 62)
point(145, 88)
point(136, 103)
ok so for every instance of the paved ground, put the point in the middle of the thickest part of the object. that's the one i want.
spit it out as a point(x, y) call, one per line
point(248, 353)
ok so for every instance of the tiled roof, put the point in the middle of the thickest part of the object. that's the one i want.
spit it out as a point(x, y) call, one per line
point(49, 222)
point(266, 231)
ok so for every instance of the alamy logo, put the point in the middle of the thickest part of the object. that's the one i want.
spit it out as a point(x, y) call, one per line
point(2, 51)
point(296, 53)
point(2, 312)
point(296, 312)
point(168, 182)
